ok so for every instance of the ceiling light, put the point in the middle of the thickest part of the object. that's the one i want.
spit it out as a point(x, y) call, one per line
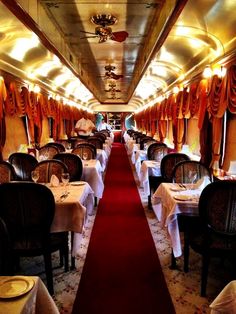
point(176, 90)
point(22, 46)
point(37, 89)
point(207, 72)
point(223, 71)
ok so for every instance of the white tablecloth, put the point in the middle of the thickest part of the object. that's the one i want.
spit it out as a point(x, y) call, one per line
point(107, 149)
point(137, 157)
point(148, 168)
point(166, 208)
point(126, 137)
point(109, 141)
point(102, 157)
point(71, 212)
point(225, 302)
point(92, 173)
point(131, 146)
point(36, 301)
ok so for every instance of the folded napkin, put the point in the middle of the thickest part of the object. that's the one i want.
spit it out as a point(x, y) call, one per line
point(54, 181)
point(202, 183)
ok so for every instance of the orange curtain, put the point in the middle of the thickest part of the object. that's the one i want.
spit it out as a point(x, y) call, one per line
point(231, 89)
point(3, 96)
point(216, 106)
point(28, 107)
point(13, 99)
point(153, 115)
point(162, 120)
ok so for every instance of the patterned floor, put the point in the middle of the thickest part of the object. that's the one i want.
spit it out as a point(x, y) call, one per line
point(183, 287)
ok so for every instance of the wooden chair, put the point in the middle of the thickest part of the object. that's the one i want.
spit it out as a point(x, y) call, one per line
point(155, 151)
point(87, 148)
point(47, 152)
point(180, 174)
point(215, 235)
point(106, 132)
point(60, 146)
point(136, 134)
point(5, 254)
point(96, 141)
point(47, 168)
point(168, 163)
point(23, 164)
point(144, 140)
point(182, 170)
point(139, 137)
point(27, 209)
point(7, 172)
point(73, 163)
point(101, 135)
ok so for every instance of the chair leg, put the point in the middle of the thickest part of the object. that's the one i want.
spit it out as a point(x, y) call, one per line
point(150, 201)
point(61, 257)
point(205, 266)
point(173, 261)
point(186, 252)
point(66, 257)
point(72, 257)
point(48, 270)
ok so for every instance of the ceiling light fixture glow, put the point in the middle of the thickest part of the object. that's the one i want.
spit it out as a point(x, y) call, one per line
point(207, 73)
point(22, 46)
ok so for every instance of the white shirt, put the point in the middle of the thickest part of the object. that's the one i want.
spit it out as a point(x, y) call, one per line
point(104, 126)
point(84, 126)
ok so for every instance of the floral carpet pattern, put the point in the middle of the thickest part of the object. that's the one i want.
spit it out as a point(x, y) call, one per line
point(184, 287)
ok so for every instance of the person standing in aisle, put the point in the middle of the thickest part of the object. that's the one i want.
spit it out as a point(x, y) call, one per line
point(104, 126)
point(84, 127)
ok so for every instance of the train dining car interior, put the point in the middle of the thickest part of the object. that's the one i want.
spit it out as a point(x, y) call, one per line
point(117, 156)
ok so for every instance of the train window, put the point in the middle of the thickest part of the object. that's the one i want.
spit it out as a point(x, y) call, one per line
point(170, 134)
point(50, 124)
point(230, 143)
point(193, 136)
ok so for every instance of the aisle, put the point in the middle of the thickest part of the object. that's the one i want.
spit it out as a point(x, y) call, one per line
point(122, 272)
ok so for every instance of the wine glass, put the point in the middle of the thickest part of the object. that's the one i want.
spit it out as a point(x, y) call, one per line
point(68, 146)
point(192, 175)
point(65, 178)
point(35, 175)
point(85, 156)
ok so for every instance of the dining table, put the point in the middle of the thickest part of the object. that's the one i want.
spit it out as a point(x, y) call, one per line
point(225, 301)
point(25, 295)
point(148, 168)
point(171, 199)
point(137, 158)
point(102, 157)
point(92, 173)
point(131, 146)
point(74, 203)
point(107, 148)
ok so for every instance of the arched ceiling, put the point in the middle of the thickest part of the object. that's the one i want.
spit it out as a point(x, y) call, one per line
point(54, 45)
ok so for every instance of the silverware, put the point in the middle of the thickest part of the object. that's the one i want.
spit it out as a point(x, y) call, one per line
point(63, 196)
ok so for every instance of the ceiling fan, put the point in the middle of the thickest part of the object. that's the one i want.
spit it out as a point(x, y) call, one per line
point(103, 31)
point(110, 74)
point(112, 90)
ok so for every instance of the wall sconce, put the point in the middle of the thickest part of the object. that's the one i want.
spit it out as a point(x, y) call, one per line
point(220, 71)
point(223, 71)
point(37, 89)
point(207, 73)
point(176, 90)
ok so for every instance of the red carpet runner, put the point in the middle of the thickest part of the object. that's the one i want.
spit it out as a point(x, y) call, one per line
point(122, 272)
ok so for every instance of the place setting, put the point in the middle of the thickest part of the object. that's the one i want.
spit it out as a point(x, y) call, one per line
point(15, 286)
